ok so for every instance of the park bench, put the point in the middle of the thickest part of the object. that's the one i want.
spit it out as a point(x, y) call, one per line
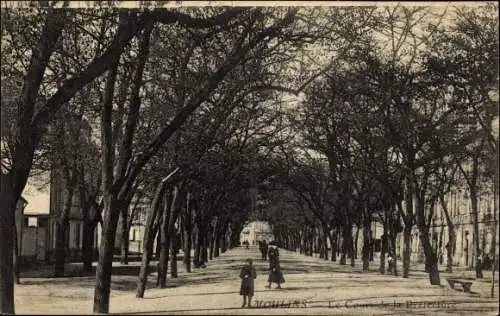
point(465, 283)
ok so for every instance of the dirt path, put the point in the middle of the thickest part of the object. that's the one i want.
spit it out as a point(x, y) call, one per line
point(313, 286)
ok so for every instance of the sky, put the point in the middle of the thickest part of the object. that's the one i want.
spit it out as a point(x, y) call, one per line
point(38, 199)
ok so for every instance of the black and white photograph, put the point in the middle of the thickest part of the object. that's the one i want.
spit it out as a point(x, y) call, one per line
point(249, 158)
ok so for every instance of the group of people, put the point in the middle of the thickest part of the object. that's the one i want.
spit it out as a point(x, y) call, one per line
point(248, 273)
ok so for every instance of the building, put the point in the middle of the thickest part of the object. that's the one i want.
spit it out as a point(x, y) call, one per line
point(19, 223)
point(74, 239)
point(34, 237)
point(32, 221)
point(256, 231)
point(41, 211)
point(138, 209)
point(459, 209)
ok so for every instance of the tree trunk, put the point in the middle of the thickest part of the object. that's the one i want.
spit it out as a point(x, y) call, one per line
point(473, 187)
point(216, 245)
point(334, 242)
point(494, 237)
point(225, 234)
point(475, 219)
point(204, 253)
point(300, 241)
point(162, 269)
point(343, 253)
point(110, 201)
point(450, 247)
point(7, 224)
point(105, 260)
point(188, 247)
point(408, 220)
point(7, 211)
point(367, 239)
point(223, 247)
point(351, 242)
point(62, 230)
point(326, 236)
point(440, 246)
point(89, 225)
point(382, 255)
point(339, 244)
point(394, 256)
point(406, 250)
point(88, 245)
point(431, 261)
point(164, 239)
point(158, 243)
point(385, 241)
point(174, 250)
point(212, 245)
point(304, 242)
point(197, 248)
point(346, 237)
point(124, 237)
point(170, 234)
point(356, 238)
point(311, 240)
point(305, 237)
point(17, 276)
point(295, 241)
point(61, 245)
point(148, 241)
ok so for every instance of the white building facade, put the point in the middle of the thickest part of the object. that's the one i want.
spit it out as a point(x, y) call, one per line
point(256, 231)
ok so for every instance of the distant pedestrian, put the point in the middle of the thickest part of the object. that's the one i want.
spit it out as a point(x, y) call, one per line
point(390, 261)
point(247, 276)
point(479, 266)
point(264, 249)
point(275, 274)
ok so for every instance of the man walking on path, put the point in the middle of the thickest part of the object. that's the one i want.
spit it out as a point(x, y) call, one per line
point(264, 249)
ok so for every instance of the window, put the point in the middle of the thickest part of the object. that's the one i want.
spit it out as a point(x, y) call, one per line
point(32, 221)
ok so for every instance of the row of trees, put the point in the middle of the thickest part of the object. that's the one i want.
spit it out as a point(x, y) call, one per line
point(187, 104)
point(195, 110)
point(404, 118)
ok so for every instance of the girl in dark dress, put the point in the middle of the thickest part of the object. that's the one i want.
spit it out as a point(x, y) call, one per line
point(247, 275)
point(275, 274)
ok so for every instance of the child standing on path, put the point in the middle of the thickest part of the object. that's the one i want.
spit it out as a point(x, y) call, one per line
point(247, 276)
